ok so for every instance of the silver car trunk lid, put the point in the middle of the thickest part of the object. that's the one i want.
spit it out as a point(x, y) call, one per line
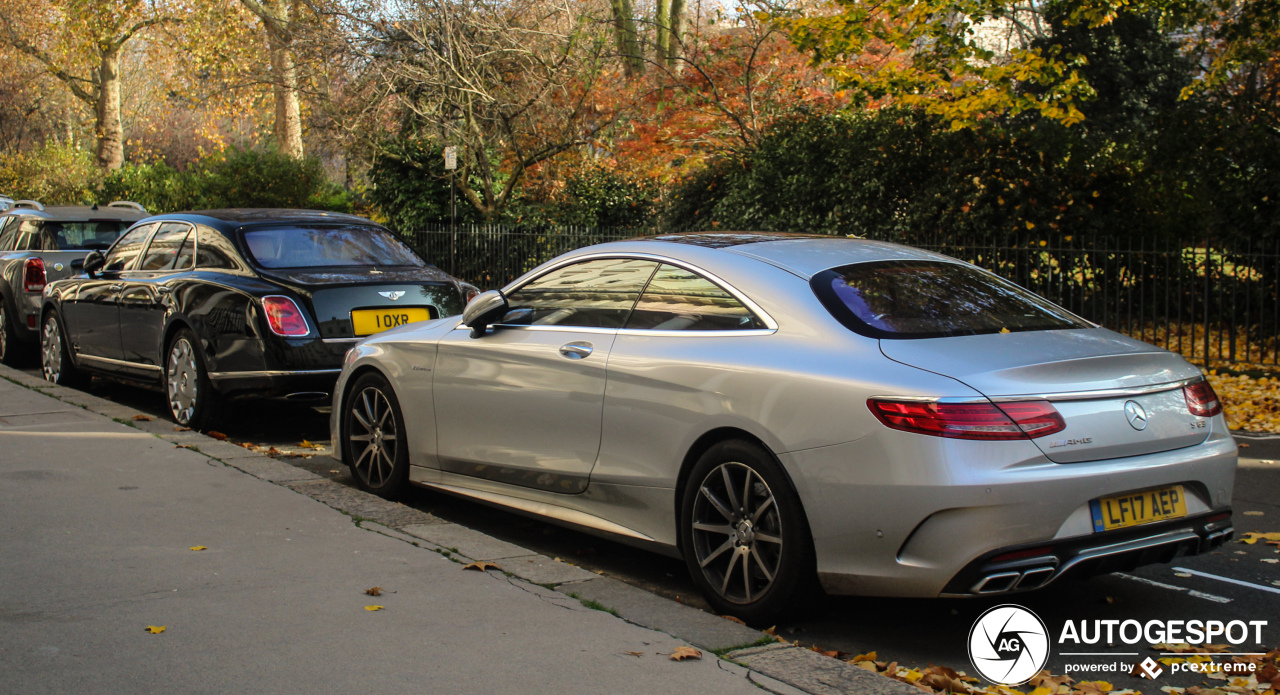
point(1090, 375)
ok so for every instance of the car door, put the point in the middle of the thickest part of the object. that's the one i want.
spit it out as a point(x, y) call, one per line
point(144, 297)
point(522, 404)
point(92, 312)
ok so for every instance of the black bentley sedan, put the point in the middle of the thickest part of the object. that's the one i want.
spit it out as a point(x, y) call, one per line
point(224, 304)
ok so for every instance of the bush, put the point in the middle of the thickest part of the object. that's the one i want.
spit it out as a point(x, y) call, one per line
point(233, 179)
point(249, 179)
point(411, 186)
point(55, 174)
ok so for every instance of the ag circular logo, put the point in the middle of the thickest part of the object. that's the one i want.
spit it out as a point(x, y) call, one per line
point(1008, 645)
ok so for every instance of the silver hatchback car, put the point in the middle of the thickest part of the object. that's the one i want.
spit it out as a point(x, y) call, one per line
point(779, 409)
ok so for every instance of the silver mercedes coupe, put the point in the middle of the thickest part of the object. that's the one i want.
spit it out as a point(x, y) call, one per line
point(790, 411)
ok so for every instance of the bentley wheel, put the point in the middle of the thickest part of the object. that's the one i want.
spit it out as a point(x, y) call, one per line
point(373, 434)
point(744, 534)
point(55, 355)
point(191, 397)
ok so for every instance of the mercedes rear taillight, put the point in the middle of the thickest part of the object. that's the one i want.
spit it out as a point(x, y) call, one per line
point(284, 317)
point(985, 421)
point(1202, 400)
point(33, 276)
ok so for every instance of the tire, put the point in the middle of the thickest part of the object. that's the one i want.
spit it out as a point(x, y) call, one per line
point(192, 400)
point(12, 352)
point(744, 534)
point(55, 355)
point(373, 437)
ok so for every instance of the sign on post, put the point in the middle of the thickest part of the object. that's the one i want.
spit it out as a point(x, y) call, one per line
point(451, 157)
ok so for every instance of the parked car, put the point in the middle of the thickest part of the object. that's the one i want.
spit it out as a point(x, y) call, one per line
point(776, 408)
point(228, 304)
point(41, 244)
point(5, 202)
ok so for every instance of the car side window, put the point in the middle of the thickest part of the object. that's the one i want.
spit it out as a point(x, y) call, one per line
point(8, 232)
point(214, 251)
point(164, 247)
point(122, 255)
point(681, 300)
point(28, 236)
point(596, 294)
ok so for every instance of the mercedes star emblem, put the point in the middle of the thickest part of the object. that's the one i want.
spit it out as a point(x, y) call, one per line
point(1136, 416)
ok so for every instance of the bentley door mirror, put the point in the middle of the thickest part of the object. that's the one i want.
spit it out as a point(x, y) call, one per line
point(486, 308)
point(92, 263)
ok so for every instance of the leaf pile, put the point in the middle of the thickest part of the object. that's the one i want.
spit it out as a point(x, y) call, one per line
point(939, 679)
point(1250, 404)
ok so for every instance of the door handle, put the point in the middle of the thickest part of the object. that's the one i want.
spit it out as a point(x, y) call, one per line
point(576, 350)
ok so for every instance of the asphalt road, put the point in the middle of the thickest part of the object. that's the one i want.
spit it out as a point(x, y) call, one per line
point(1232, 583)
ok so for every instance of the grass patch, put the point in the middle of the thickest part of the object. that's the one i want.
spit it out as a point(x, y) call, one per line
point(597, 606)
point(762, 642)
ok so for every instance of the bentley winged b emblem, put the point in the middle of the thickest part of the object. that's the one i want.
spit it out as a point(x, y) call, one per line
point(393, 296)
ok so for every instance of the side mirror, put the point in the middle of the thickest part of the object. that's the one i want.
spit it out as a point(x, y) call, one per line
point(92, 263)
point(486, 308)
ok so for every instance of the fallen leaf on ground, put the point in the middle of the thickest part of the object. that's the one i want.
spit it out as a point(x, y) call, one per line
point(1270, 560)
point(1093, 687)
point(1254, 514)
point(246, 445)
point(199, 547)
point(1252, 537)
point(374, 591)
point(682, 653)
point(273, 451)
point(482, 566)
point(142, 418)
point(733, 619)
point(773, 631)
point(182, 429)
point(1243, 446)
point(869, 656)
point(635, 654)
point(155, 629)
point(183, 446)
point(216, 435)
point(373, 608)
point(308, 445)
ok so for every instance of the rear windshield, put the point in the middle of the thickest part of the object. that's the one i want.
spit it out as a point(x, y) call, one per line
point(328, 247)
point(80, 236)
point(933, 299)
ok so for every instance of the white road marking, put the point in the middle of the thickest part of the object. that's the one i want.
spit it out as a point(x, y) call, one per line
point(1172, 587)
point(1229, 580)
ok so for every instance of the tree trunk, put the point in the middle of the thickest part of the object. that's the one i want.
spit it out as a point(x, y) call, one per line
point(109, 129)
point(662, 28)
point(284, 73)
point(624, 27)
point(674, 41)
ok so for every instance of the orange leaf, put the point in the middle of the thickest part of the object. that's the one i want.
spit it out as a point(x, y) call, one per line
point(482, 566)
point(142, 418)
point(733, 619)
point(374, 591)
point(217, 435)
point(682, 653)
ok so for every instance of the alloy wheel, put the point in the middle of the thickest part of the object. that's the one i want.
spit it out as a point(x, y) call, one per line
point(51, 350)
point(372, 413)
point(737, 532)
point(183, 381)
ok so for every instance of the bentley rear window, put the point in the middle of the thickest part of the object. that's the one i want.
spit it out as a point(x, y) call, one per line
point(933, 299)
point(328, 247)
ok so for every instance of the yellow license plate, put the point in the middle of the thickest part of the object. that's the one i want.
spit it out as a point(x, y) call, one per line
point(1135, 509)
point(370, 321)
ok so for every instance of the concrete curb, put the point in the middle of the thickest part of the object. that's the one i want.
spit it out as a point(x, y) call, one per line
point(779, 667)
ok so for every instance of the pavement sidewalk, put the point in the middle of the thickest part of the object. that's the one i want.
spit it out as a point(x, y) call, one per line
point(101, 522)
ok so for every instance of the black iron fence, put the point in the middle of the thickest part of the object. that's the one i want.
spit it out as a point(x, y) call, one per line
point(1213, 303)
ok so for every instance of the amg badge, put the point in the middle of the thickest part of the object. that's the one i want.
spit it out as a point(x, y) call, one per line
point(1070, 442)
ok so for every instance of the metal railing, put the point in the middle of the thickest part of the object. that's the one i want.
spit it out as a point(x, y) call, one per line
point(1210, 302)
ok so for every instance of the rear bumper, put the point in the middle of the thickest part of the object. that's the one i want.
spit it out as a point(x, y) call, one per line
point(26, 320)
point(1035, 565)
point(314, 386)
